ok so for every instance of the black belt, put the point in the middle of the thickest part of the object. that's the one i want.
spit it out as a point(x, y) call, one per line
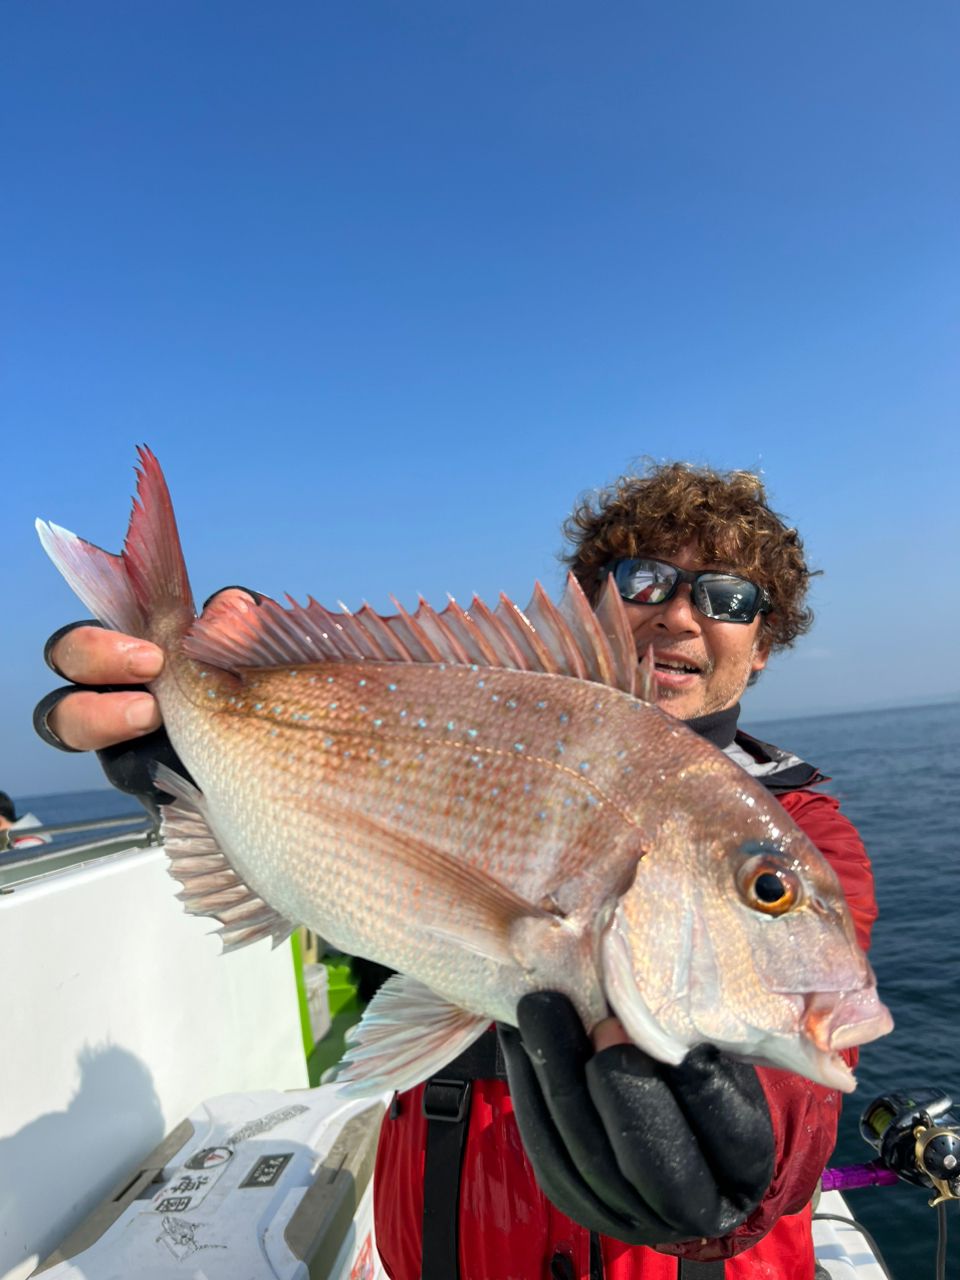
point(687, 1269)
point(446, 1106)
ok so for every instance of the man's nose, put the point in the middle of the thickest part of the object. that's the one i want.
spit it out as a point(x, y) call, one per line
point(678, 613)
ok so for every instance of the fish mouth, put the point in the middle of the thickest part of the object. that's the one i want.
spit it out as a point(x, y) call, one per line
point(827, 1023)
point(831, 1070)
point(841, 1020)
point(833, 1021)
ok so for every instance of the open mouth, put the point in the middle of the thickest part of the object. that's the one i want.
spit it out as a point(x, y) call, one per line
point(672, 666)
point(672, 672)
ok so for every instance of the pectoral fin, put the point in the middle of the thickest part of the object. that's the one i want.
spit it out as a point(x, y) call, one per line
point(407, 1033)
point(471, 908)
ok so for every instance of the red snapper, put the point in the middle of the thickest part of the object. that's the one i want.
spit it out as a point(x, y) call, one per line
point(479, 800)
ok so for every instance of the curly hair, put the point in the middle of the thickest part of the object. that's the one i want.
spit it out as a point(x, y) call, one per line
point(726, 514)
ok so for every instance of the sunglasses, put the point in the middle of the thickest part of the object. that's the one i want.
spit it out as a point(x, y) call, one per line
point(722, 596)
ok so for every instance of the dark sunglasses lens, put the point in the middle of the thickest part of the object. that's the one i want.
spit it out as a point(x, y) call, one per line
point(644, 581)
point(726, 598)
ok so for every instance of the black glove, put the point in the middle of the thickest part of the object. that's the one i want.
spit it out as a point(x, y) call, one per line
point(627, 1146)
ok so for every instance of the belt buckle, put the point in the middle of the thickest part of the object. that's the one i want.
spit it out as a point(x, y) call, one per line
point(446, 1100)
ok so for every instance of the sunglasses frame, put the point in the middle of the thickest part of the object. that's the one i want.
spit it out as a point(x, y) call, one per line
point(691, 576)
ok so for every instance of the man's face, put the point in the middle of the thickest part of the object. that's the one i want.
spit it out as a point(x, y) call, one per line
point(701, 665)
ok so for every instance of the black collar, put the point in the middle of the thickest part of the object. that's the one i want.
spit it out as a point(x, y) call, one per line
point(720, 727)
point(774, 768)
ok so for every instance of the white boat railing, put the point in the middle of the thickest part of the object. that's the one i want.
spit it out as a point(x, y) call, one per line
point(133, 831)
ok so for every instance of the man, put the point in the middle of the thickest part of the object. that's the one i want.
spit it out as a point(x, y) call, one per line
point(625, 1165)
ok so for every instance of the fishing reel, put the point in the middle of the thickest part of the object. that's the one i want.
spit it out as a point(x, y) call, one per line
point(916, 1138)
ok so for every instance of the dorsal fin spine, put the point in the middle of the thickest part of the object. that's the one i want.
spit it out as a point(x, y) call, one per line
point(572, 641)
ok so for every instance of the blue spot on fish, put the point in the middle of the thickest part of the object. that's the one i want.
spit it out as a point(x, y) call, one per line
point(327, 742)
point(392, 688)
point(481, 684)
point(512, 704)
point(540, 705)
point(584, 766)
point(361, 683)
point(451, 724)
point(564, 718)
point(258, 706)
point(560, 748)
point(471, 733)
point(519, 746)
point(542, 814)
point(421, 723)
point(377, 723)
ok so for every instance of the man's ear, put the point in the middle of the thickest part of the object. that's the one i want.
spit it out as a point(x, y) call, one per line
point(761, 655)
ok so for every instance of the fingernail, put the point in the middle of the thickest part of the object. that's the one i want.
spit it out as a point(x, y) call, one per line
point(142, 713)
point(144, 660)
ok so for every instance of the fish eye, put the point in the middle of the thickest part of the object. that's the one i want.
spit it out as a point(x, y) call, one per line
point(767, 886)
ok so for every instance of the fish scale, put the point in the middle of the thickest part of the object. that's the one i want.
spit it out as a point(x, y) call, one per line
point(315, 728)
point(455, 811)
point(477, 799)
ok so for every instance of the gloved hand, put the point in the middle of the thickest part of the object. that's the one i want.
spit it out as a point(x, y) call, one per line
point(627, 1146)
point(107, 708)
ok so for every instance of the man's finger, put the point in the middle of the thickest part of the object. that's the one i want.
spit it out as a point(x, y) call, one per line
point(89, 721)
point(92, 655)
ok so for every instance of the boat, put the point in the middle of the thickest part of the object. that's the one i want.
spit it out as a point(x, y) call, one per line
point(142, 1068)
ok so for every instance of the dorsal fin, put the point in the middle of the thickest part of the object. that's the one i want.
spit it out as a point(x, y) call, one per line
point(571, 640)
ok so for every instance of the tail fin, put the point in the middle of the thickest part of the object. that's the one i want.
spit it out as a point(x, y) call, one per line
point(145, 584)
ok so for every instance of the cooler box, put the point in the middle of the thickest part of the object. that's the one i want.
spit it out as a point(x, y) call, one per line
point(250, 1185)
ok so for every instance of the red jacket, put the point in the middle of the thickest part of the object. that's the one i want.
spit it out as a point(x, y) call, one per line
point(510, 1231)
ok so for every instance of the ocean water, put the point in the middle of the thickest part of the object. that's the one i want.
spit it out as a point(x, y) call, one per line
point(897, 775)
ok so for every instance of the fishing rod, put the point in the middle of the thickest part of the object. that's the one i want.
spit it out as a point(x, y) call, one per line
point(917, 1141)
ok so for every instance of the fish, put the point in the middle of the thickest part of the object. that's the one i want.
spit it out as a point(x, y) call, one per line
point(486, 801)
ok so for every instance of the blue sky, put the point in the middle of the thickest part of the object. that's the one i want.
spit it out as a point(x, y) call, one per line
point(387, 287)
